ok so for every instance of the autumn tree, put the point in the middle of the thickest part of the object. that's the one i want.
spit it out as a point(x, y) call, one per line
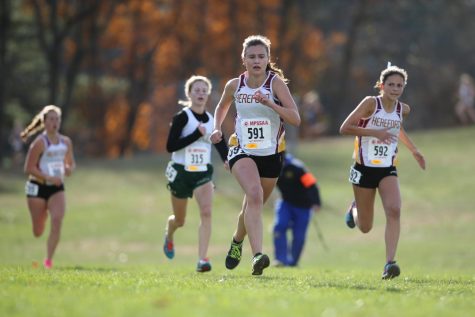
point(119, 66)
point(56, 21)
point(5, 23)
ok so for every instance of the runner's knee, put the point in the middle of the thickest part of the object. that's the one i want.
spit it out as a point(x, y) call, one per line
point(179, 222)
point(393, 212)
point(205, 213)
point(365, 227)
point(255, 195)
point(37, 232)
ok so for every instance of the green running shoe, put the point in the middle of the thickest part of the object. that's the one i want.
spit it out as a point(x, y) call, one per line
point(234, 255)
point(259, 263)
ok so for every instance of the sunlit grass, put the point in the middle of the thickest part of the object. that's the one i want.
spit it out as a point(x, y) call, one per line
point(109, 261)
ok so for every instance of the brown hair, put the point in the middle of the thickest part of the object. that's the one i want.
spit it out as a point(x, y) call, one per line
point(37, 124)
point(390, 70)
point(189, 83)
point(254, 40)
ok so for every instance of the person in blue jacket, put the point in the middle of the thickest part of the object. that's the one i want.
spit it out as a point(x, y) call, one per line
point(300, 198)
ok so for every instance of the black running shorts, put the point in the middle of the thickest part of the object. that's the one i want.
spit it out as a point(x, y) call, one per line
point(369, 177)
point(268, 166)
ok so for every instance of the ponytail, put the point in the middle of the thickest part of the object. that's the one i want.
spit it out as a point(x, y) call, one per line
point(273, 67)
point(37, 124)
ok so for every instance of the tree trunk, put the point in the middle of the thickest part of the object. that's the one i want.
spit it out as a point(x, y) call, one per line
point(341, 96)
point(5, 19)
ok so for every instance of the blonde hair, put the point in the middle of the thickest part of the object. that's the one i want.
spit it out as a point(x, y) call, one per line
point(37, 124)
point(254, 40)
point(189, 83)
point(390, 70)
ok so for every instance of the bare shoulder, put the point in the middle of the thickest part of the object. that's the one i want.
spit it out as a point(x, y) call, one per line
point(280, 88)
point(367, 106)
point(405, 109)
point(232, 84)
point(278, 81)
point(368, 101)
point(36, 148)
point(67, 140)
point(38, 143)
point(229, 90)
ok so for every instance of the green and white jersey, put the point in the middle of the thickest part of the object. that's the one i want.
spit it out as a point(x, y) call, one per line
point(196, 156)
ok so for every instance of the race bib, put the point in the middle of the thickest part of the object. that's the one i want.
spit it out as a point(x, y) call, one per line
point(355, 176)
point(31, 189)
point(170, 172)
point(56, 169)
point(380, 153)
point(197, 158)
point(256, 133)
point(234, 151)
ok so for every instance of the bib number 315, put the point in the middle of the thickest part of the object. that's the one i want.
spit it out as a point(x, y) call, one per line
point(170, 172)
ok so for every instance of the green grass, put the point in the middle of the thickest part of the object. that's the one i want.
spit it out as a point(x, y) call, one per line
point(109, 261)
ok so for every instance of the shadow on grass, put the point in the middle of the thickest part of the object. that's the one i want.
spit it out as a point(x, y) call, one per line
point(441, 282)
point(311, 283)
point(358, 287)
point(247, 278)
point(87, 269)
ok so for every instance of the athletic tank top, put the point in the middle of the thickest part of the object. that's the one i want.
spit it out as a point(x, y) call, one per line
point(370, 151)
point(52, 159)
point(197, 155)
point(259, 129)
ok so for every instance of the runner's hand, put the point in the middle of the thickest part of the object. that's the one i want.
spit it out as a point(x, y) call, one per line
point(216, 136)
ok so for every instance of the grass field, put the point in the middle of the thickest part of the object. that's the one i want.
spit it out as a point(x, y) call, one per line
point(109, 261)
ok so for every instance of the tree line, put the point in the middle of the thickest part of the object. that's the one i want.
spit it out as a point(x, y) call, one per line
point(117, 68)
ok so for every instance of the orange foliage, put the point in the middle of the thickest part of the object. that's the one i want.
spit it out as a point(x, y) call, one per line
point(167, 58)
point(70, 47)
point(196, 37)
point(164, 106)
point(271, 4)
point(314, 45)
point(338, 38)
point(114, 125)
point(141, 131)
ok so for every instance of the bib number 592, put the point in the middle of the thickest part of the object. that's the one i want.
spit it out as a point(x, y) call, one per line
point(381, 151)
point(355, 176)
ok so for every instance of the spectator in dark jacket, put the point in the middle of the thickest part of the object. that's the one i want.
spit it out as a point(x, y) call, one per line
point(300, 197)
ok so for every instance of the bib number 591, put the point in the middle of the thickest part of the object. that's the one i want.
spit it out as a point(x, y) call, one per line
point(234, 151)
point(255, 133)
